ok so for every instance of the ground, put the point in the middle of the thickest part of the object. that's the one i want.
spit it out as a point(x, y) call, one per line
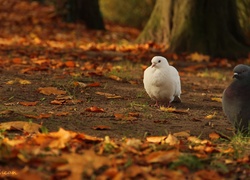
point(198, 89)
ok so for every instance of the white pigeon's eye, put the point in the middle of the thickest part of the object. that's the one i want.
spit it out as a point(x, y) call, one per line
point(159, 61)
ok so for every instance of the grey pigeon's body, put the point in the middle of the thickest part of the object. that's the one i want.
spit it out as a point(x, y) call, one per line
point(236, 99)
point(162, 81)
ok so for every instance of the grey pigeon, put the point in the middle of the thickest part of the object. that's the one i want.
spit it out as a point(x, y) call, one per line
point(236, 99)
point(162, 81)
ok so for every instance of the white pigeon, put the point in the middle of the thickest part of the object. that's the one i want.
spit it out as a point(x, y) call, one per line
point(162, 81)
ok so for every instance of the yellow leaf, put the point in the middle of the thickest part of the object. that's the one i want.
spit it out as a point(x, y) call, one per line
point(23, 81)
point(211, 116)
point(173, 110)
point(198, 57)
point(217, 99)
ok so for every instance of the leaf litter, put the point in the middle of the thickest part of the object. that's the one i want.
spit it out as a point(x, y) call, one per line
point(46, 57)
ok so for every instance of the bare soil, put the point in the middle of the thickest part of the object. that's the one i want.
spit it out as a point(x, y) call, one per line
point(198, 89)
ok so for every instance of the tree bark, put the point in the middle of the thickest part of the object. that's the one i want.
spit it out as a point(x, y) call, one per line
point(205, 26)
point(87, 11)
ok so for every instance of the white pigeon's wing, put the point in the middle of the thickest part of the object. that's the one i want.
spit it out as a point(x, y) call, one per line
point(177, 82)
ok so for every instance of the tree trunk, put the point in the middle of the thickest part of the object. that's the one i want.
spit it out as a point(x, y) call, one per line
point(87, 11)
point(158, 27)
point(206, 26)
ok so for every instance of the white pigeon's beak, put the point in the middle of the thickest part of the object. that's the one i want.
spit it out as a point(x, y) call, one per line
point(153, 65)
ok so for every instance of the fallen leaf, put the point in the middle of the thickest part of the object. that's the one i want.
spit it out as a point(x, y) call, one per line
point(70, 64)
point(13, 142)
point(21, 125)
point(173, 110)
point(80, 84)
point(51, 90)
point(182, 134)
point(28, 103)
point(108, 95)
point(214, 136)
point(94, 109)
point(57, 102)
point(216, 99)
point(101, 127)
point(24, 82)
point(6, 112)
point(134, 114)
point(95, 84)
point(207, 175)
point(115, 78)
point(62, 113)
point(210, 116)
point(164, 157)
point(156, 139)
point(171, 140)
point(119, 116)
point(85, 163)
point(198, 57)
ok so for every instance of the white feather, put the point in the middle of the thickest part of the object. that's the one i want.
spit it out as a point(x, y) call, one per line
point(162, 81)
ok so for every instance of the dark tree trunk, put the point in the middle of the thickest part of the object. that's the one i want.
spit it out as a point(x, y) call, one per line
point(205, 26)
point(87, 11)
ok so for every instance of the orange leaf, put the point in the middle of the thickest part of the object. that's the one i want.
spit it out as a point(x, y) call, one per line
point(94, 109)
point(25, 103)
point(58, 102)
point(163, 156)
point(17, 61)
point(51, 90)
point(134, 114)
point(62, 113)
point(95, 84)
point(115, 78)
point(70, 64)
point(118, 116)
point(214, 136)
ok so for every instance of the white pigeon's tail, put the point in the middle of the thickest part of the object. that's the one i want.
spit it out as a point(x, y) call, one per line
point(177, 99)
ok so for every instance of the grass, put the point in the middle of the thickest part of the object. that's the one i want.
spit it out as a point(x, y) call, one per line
point(213, 74)
point(126, 70)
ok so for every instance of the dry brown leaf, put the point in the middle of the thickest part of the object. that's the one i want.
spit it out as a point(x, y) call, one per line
point(51, 90)
point(86, 163)
point(163, 156)
point(119, 116)
point(207, 175)
point(182, 134)
point(58, 102)
point(28, 103)
point(171, 140)
point(108, 95)
point(6, 112)
point(134, 114)
point(94, 109)
point(21, 125)
point(156, 139)
point(62, 113)
point(101, 127)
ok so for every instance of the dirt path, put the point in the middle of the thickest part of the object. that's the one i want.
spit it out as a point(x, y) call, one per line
point(128, 114)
